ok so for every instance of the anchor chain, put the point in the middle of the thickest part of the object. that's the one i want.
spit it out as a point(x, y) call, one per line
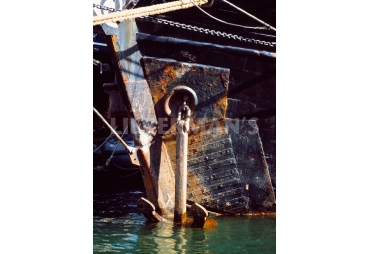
point(195, 28)
point(184, 115)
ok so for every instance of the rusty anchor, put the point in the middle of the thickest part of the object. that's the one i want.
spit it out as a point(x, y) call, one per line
point(199, 213)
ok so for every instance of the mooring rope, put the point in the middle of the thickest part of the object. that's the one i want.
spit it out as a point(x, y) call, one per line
point(104, 141)
point(222, 21)
point(145, 11)
point(250, 15)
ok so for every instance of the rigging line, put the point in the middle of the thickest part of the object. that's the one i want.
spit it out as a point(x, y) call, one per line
point(144, 17)
point(111, 133)
point(107, 162)
point(248, 27)
point(144, 11)
point(114, 164)
point(112, 130)
point(250, 15)
point(131, 174)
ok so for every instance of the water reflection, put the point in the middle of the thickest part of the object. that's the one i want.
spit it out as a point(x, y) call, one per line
point(130, 233)
point(174, 239)
point(163, 237)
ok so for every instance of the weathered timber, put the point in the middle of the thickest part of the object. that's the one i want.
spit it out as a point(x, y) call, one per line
point(138, 106)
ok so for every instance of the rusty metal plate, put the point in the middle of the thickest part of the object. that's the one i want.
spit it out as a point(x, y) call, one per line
point(253, 169)
point(209, 83)
point(213, 176)
point(227, 170)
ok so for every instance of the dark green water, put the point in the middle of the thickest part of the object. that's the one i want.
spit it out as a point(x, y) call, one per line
point(118, 227)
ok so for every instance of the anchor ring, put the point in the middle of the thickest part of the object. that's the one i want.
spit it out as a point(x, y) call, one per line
point(177, 89)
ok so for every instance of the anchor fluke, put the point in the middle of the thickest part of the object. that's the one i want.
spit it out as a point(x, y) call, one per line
point(148, 209)
point(201, 219)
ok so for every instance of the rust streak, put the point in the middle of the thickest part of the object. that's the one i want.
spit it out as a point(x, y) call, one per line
point(210, 223)
point(169, 71)
point(221, 105)
point(158, 91)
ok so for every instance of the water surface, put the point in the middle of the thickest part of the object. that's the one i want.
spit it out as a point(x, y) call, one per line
point(120, 228)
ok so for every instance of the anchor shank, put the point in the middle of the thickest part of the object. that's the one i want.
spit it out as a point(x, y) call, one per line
point(181, 172)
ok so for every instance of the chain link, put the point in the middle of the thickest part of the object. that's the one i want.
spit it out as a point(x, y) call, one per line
point(195, 28)
point(102, 7)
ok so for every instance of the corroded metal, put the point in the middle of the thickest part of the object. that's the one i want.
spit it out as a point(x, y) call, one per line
point(209, 83)
point(220, 178)
point(163, 77)
point(201, 219)
point(214, 180)
point(253, 169)
point(227, 168)
point(183, 90)
point(148, 210)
